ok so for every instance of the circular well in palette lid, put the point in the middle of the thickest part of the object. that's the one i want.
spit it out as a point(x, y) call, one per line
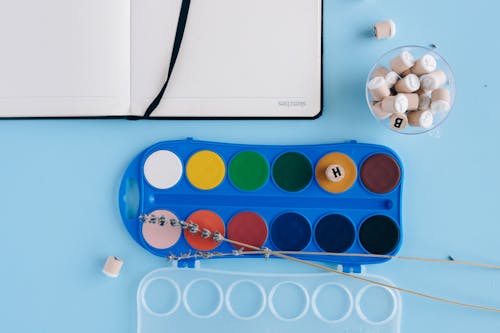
point(380, 173)
point(163, 169)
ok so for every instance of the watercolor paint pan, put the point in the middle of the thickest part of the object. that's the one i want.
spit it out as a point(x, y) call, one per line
point(343, 197)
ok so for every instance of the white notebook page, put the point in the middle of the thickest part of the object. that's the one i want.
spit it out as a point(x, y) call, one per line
point(238, 58)
point(65, 58)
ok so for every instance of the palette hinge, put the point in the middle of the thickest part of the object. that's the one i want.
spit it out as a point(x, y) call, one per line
point(187, 263)
point(357, 269)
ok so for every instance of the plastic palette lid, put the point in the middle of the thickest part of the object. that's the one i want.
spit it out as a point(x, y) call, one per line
point(173, 299)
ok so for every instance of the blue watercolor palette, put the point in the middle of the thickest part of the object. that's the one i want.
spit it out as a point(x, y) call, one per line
point(337, 198)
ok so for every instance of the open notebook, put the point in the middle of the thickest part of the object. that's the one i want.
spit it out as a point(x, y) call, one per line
point(110, 58)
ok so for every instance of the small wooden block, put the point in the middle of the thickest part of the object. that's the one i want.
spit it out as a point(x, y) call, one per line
point(391, 78)
point(399, 122)
point(424, 65)
point(408, 84)
point(378, 88)
point(433, 80)
point(395, 104)
point(380, 71)
point(335, 173)
point(413, 101)
point(424, 102)
point(402, 62)
point(421, 118)
point(112, 267)
point(441, 100)
point(384, 29)
point(379, 113)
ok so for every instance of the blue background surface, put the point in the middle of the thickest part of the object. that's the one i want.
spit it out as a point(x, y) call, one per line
point(59, 181)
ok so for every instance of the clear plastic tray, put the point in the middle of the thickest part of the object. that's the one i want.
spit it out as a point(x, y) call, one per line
point(175, 299)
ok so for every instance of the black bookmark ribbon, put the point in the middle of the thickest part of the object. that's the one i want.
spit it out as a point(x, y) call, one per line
point(179, 34)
